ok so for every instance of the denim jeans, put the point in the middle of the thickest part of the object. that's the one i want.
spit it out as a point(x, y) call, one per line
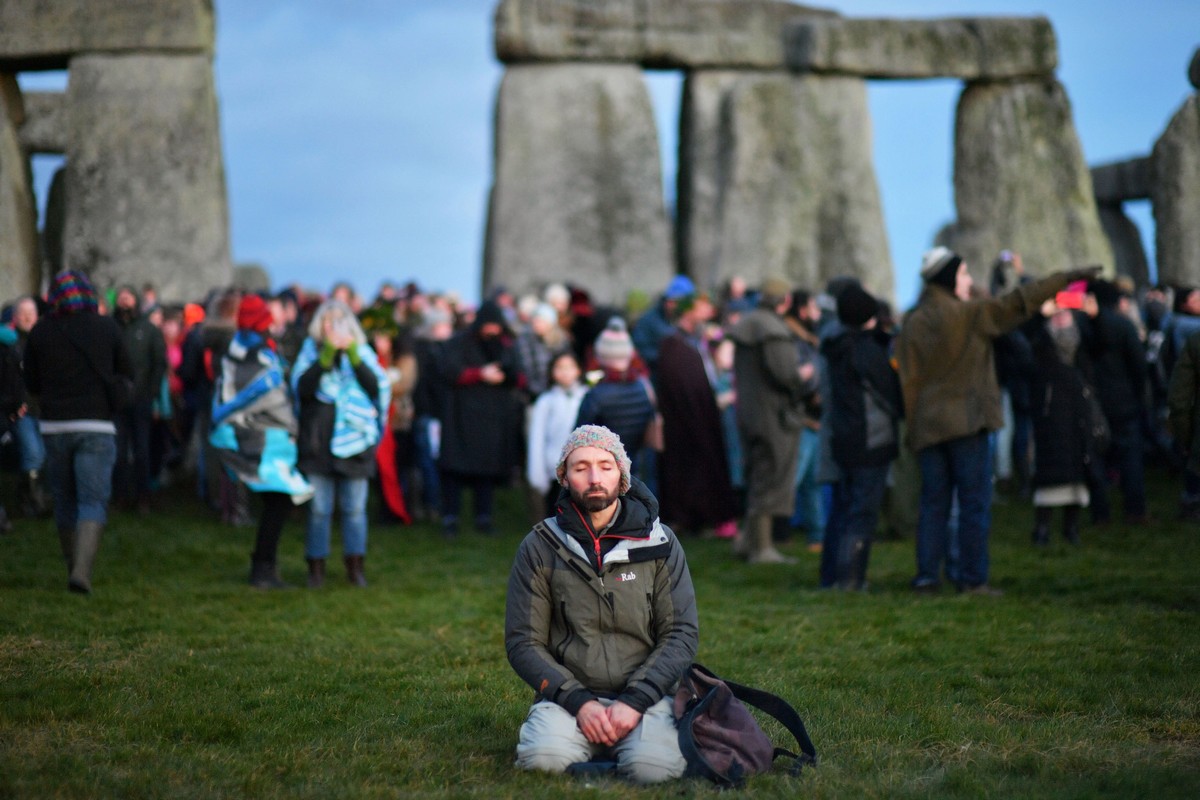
point(351, 497)
point(810, 505)
point(857, 498)
point(424, 433)
point(31, 449)
point(79, 472)
point(959, 466)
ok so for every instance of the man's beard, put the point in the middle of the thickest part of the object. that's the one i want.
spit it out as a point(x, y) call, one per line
point(592, 503)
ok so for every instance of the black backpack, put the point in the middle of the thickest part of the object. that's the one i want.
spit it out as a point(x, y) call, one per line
point(719, 736)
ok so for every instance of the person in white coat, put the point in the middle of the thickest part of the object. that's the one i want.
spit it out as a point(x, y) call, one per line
point(551, 420)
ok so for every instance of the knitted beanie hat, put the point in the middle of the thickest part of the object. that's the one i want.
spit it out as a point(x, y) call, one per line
point(253, 314)
point(613, 345)
point(940, 266)
point(595, 436)
point(856, 306)
point(71, 293)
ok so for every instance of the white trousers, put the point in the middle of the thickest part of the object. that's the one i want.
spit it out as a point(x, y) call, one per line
point(550, 740)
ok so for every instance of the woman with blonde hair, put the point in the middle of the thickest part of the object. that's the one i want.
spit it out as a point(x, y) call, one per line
point(343, 395)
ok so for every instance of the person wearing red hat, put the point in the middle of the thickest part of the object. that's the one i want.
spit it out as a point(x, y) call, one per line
point(254, 433)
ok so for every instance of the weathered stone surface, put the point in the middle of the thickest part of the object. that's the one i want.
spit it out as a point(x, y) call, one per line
point(45, 126)
point(578, 183)
point(145, 186)
point(1125, 239)
point(43, 34)
point(251, 277)
point(1122, 180)
point(19, 262)
point(778, 180)
point(1176, 196)
point(727, 34)
point(1194, 70)
point(1020, 181)
point(970, 48)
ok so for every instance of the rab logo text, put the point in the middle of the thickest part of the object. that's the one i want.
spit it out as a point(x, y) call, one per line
point(627, 576)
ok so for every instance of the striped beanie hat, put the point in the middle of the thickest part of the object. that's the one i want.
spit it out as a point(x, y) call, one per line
point(595, 436)
point(71, 293)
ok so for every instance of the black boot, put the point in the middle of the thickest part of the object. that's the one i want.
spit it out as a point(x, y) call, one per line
point(265, 575)
point(1041, 525)
point(354, 571)
point(1071, 524)
point(33, 497)
point(316, 572)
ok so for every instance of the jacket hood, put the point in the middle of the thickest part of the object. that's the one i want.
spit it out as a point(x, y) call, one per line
point(635, 520)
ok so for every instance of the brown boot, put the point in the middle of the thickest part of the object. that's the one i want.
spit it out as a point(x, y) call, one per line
point(316, 572)
point(762, 543)
point(354, 571)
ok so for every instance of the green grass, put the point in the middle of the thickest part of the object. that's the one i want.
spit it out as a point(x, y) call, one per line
point(175, 679)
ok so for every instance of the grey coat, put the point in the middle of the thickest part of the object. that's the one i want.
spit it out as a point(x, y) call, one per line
point(770, 409)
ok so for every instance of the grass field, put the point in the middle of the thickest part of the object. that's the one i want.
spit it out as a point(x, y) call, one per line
point(175, 679)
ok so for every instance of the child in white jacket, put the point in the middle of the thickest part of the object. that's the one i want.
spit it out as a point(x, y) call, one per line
point(551, 420)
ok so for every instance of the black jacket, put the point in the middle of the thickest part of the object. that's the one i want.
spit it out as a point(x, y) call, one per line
point(866, 401)
point(1059, 413)
point(1119, 361)
point(69, 359)
point(317, 422)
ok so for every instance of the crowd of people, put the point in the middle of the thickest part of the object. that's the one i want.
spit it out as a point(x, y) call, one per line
point(753, 414)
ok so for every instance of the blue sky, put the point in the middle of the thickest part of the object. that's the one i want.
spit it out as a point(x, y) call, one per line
point(358, 138)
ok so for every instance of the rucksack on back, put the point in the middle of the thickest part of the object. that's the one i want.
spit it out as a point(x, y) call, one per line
point(721, 739)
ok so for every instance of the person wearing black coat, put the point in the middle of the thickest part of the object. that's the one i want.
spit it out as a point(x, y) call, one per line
point(1063, 455)
point(1119, 360)
point(865, 408)
point(482, 428)
point(72, 362)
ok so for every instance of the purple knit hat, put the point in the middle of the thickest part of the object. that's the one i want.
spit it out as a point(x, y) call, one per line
point(595, 436)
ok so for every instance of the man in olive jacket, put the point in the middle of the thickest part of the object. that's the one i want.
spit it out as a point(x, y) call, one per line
point(952, 398)
point(601, 620)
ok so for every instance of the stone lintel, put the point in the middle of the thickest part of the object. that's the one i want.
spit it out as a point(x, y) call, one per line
point(45, 34)
point(44, 129)
point(1118, 181)
point(970, 48)
point(664, 34)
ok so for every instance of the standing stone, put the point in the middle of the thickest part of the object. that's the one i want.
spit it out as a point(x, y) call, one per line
point(1020, 180)
point(1194, 70)
point(145, 186)
point(1175, 195)
point(19, 273)
point(578, 183)
point(777, 179)
point(1129, 254)
point(54, 224)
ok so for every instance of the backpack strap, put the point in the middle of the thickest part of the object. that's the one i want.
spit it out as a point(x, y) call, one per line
point(782, 711)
